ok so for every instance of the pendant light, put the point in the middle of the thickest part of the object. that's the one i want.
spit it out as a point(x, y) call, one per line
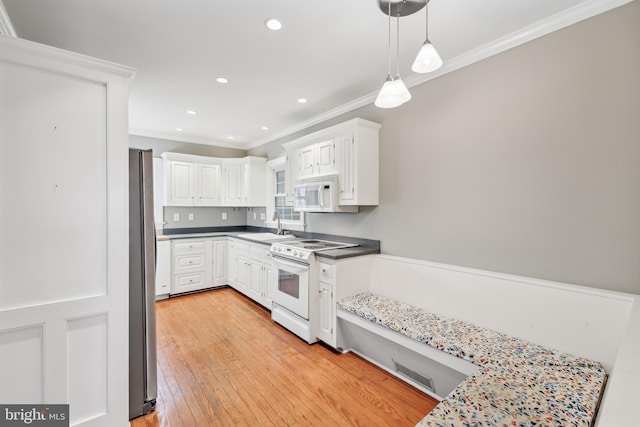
point(390, 96)
point(400, 86)
point(428, 59)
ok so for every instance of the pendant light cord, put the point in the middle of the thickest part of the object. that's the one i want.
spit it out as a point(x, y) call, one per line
point(426, 20)
point(398, 45)
point(389, 50)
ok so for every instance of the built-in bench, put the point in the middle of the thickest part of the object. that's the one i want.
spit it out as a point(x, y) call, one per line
point(519, 381)
point(496, 349)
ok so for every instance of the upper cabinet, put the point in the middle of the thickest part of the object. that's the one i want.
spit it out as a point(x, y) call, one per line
point(191, 180)
point(245, 181)
point(317, 159)
point(209, 181)
point(348, 150)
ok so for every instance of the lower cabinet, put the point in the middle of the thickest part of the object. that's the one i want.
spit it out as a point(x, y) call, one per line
point(338, 279)
point(251, 270)
point(163, 269)
point(198, 264)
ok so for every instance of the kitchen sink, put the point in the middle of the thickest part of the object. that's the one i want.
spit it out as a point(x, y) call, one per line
point(265, 236)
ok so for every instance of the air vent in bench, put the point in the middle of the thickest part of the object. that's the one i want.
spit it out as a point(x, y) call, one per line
point(415, 376)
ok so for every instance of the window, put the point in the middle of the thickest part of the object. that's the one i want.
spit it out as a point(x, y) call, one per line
point(277, 198)
point(286, 213)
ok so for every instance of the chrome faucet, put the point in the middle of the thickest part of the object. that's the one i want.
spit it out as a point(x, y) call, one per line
point(276, 216)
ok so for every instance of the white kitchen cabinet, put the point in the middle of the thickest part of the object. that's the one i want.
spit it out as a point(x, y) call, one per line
point(244, 181)
point(290, 177)
point(317, 159)
point(163, 269)
point(191, 180)
point(253, 271)
point(190, 267)
point(209, 185)
point(351, 151)
point(219, 261)
point(338, 279)
point(198, 264)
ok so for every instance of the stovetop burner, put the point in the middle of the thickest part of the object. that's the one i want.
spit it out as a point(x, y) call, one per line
point(302, 249)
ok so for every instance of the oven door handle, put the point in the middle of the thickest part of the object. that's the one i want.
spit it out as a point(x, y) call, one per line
point(297, 265)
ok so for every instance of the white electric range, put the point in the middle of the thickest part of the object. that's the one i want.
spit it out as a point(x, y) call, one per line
point(297, 284)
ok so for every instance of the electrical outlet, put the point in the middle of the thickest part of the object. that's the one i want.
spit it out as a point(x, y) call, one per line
point(176, 217)
point(190, 216)
point(263, 216)
point(224, 216)
point(255, 216)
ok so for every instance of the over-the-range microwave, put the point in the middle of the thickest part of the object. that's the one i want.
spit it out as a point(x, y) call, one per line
point(319, 195)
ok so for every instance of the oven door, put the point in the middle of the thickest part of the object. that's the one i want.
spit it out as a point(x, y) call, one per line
point(292, 286)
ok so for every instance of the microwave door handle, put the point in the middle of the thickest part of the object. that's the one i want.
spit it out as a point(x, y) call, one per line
point(320, 191)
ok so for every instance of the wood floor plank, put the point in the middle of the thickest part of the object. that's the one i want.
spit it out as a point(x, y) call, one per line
point(223, 362)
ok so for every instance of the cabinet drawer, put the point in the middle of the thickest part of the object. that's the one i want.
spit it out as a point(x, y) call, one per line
point(190, 246)
point(260, 252)
point(183, 262)
point(189, 282)
point(326, 271)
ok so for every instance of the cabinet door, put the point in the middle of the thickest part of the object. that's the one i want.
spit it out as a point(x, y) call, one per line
point(243, 279)
point(182, 180)
point(234, 184)
point(255, 287)
point(269, 283)
point(305, 161)
point(163, 268)
point(346, 176)
point(289, 177)
point(219, 260)
point(209, 188)
point(232, 264)
point(325, 332)
point(326, 157)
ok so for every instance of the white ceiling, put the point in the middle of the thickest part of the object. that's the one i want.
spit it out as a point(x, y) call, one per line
point(332, 52)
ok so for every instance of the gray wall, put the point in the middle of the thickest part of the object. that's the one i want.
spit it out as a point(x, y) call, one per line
point(204, 217)
point(159, 146)
point(527, 162)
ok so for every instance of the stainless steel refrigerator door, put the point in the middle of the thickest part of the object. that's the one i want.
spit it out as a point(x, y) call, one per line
point(142, 324)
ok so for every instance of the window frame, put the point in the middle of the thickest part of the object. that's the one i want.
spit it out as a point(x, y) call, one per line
point(273, 166)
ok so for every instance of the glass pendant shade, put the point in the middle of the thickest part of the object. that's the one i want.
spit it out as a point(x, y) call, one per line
point(402, 90)
point(390, 96)
point(427, 60)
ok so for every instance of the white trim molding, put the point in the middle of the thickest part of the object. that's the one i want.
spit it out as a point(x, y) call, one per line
point(6, 27)
point(186, 138)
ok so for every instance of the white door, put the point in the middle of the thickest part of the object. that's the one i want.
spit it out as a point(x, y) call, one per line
point(306, 161)
point(346, 176)
point(233, 184)
point(326, 157)
point(64, 252)
point(325, 333)
point(209, 188)
point(219, 257)
point(182, 183)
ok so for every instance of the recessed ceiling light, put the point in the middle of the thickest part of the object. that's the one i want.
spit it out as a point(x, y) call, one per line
point(230, 137)
point(273, 24)
point(264, 128)
point(191, 112)
point(302, 100)
point(179, 129)
point(222, 80)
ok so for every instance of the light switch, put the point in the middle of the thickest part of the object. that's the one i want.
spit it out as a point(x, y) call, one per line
point(190, 216)
point(255, 215)
point(224, 216)
point(176, 217)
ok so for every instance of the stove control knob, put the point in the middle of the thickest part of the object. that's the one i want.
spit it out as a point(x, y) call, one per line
point(295, 253)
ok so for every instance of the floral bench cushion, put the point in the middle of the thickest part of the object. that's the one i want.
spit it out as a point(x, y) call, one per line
point(521, 383)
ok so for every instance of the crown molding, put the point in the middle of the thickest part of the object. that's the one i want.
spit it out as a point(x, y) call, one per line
point(556, 22)
point(186, 138)
point(6, 27)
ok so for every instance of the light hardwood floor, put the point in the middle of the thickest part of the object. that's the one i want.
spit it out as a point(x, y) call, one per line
point(222, 361)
